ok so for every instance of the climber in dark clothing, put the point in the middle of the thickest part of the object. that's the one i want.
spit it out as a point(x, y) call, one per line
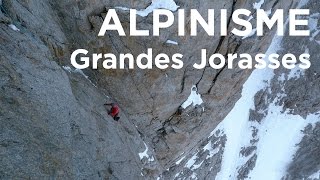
point(114, 111)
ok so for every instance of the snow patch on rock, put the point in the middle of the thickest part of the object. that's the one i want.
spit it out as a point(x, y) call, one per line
point(145, 154)
point(295, 73)
point(79, 71)
point(196, 166)
point(180, 160)
point(172, 42)
point(257, 5)
point(194, 98)
point(315, 176)
point(191, 161)
point(302, 3)
point(212, 151)
point(156, 4)
point(14, 27)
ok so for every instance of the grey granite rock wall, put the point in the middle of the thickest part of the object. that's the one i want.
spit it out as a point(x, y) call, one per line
point(54, 125)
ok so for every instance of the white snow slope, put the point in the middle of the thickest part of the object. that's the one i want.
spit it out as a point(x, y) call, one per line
point(278, 133)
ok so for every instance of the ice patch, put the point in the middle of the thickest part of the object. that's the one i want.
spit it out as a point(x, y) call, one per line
point(144, 154)
point(176, 175)
point(295, 73)
point(302, 3)
point(194, 176)
point(250, 18)
point(194, 167)
point(315, 15)
point(315, 176)
point(156, 4)
point(191, 161)
point(13, 27)
point(313, 24)
point(314, 34)
point(212, 151)
point(194, 98)
point(257, 5)
point(282, 78)
point(69, 69)
point(269, 12)
point(81, 72)
point(180, 160)
point(172, 42)
point(159, 4)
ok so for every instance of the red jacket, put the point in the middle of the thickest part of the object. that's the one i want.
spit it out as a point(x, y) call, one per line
point(114, 110)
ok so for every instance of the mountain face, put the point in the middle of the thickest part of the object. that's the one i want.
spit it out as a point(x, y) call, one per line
point(233, 124)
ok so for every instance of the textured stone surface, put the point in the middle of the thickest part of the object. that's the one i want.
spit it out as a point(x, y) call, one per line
point(306, 161)
point(53, 124)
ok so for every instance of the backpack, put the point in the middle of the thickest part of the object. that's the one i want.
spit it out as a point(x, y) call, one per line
point(116, 118)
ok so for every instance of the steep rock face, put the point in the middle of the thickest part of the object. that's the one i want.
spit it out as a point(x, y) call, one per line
point(53, 120)
point(148, 97)
point(156, 95)
point(53, 123)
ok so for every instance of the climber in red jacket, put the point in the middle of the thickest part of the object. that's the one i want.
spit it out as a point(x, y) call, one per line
point(114, 111)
